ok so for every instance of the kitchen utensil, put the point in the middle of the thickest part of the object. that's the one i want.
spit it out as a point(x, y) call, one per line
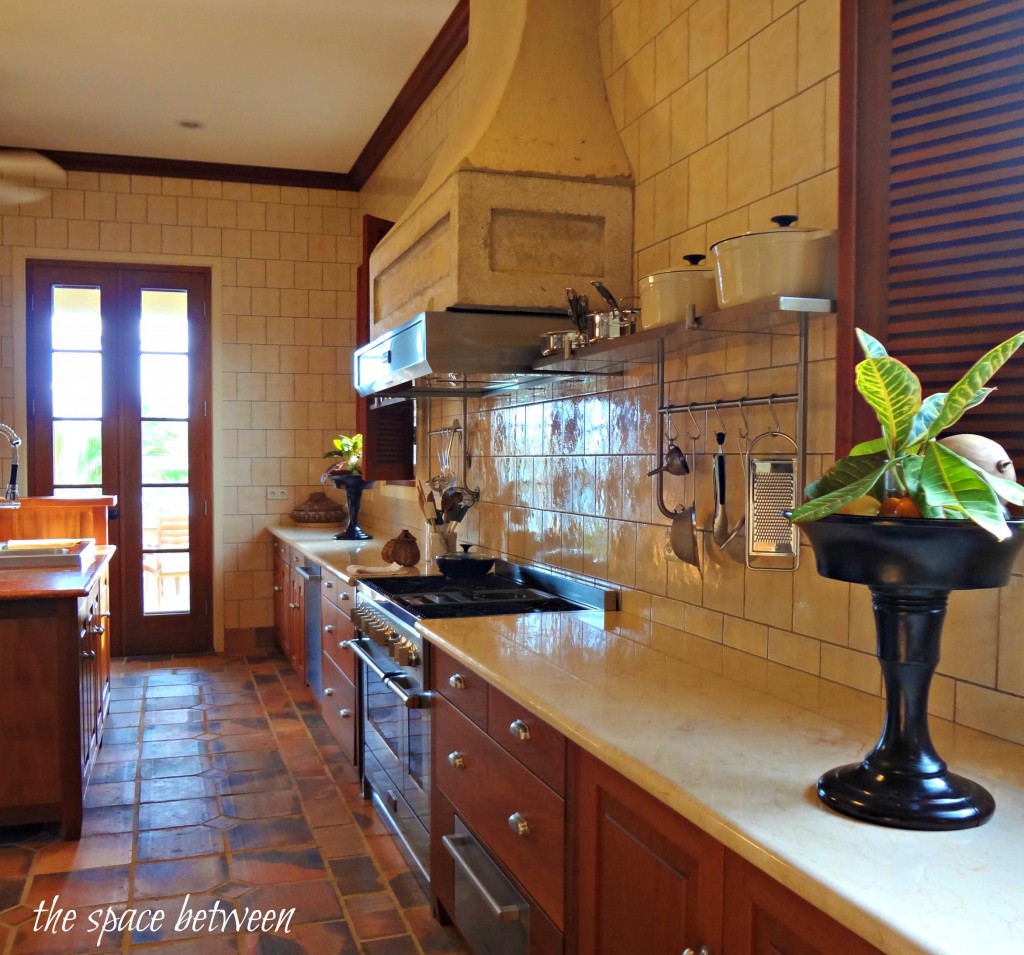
point(665, 295)
point(785, 261)
point(674, 463)
point(682, 535)
point(720, 519)
point(606, 295)
point(464, 566)
point(773, 543)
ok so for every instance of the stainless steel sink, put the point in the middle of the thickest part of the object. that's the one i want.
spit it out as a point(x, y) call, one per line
point(57, 554)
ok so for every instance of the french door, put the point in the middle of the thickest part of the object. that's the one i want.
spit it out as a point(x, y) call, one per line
point(118, 393)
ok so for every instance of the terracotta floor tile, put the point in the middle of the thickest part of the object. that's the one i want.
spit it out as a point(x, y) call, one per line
point(401, 945)
point(80, 890)
point(281, 802)
point(216, 945)
point(260, 780)
point(90, 852)
point(179, 876)
point(325, 938)
point(161, 749)
point(243, 742)
point(374, 915)
point(268, 866)
point(433, 937)
point(161, 768)
point(115, 772)
point(11, 892)
point(109, 794)
point(356, 874)
point(270, 833)
point(313, 788)
point(180, 919)
point(107, 819)
point(185, 812)
point(338, 841)
point(14, 861)
point(315, 902)
point(159, 844)
point(249, 760)
point(326, 812)
point(175, 788)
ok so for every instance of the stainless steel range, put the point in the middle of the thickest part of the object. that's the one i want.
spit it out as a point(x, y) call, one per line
point(396, 678)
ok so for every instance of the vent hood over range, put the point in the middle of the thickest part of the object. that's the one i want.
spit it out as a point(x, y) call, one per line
point(531, 192)
point(474, 353)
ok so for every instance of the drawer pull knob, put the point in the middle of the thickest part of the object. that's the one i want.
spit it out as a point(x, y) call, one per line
point(329, 628)
point(328, 584)
point(704, 950)
point(344, 713)
point(457, 681)
point(328, 692)
point(88, 654)
point(278, 588)
point(344, 597)
point(518, 824)
point(519, 730)
point(457, 760)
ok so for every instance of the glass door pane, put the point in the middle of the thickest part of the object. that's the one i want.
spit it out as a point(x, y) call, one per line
point(76, 374)
point(164, 444)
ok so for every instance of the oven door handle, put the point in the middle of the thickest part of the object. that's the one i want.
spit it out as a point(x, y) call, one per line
point(357, 648)
point(414, 701)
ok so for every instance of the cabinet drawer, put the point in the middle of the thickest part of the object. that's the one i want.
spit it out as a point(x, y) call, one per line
point(335, 629)
point(538, 746)
point(283, 551)
point(335, 589)
point(461, 687)
point(487, 787)
point(339, 707)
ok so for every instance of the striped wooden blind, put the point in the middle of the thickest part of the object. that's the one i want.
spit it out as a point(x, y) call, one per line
point(956, 198)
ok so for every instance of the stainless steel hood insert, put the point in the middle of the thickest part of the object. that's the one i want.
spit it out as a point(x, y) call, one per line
point(471, 353)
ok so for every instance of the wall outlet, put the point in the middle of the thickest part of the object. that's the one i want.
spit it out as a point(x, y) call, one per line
point(277, 493)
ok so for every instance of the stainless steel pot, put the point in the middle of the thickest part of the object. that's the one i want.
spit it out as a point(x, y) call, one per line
point(612, 324)
point(785, 261)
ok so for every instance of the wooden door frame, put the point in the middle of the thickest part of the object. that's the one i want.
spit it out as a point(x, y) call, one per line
point(200, 450)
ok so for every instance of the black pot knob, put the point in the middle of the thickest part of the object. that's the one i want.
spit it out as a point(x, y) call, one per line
point(784, 221)
point(694, 258)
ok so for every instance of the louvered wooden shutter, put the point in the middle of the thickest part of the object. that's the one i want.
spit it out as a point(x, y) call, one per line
point(940, 278)
point(389, 433)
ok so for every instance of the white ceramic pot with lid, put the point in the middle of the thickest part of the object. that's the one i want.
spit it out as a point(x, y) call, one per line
point(665, 295)
point(783, 261)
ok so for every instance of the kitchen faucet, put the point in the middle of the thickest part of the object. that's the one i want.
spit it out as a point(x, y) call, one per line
point(11, 494)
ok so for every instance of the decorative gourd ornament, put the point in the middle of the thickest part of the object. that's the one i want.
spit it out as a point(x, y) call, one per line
point(402, 549)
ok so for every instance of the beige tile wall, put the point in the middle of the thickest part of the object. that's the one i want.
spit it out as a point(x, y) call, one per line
point(283, 261)
point(728, 110)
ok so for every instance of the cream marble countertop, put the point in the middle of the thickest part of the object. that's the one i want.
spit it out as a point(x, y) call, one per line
point(318, 544)
point(741, 763)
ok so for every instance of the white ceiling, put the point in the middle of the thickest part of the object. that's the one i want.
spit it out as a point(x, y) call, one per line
point(292, 84)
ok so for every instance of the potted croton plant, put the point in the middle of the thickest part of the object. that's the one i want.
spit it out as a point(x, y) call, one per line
point(347, 472)
point(914, 516)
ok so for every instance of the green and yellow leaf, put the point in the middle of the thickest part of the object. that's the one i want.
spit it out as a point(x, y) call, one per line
point(894, 393)
point(949, 483)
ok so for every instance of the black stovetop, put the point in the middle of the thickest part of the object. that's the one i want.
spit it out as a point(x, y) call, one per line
point(431, 597)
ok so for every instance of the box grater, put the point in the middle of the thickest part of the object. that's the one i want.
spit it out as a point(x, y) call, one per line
point(773, 543)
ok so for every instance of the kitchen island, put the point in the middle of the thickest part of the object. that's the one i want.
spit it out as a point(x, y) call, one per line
point(741, 764)
point(55, 660)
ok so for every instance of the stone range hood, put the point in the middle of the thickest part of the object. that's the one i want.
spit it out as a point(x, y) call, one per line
point(532, 191)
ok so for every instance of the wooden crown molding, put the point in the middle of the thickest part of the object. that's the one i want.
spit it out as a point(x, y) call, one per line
point(448, 44)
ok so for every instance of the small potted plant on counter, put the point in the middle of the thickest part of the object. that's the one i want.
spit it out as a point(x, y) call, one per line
point(914, 516)
point(347, 473)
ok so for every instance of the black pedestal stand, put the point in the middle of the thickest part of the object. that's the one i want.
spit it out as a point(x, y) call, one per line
point(353, 485)
point(910, 567)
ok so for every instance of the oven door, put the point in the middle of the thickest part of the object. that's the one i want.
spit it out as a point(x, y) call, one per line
point(396, 750)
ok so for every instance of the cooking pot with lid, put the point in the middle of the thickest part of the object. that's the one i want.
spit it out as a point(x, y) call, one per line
point(783, 261)
point(464, 566)
point(664, 295)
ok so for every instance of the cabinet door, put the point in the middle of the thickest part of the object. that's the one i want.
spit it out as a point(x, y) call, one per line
point(763, 917)
point(647, 880)
point(282, 601)
point(296, 651)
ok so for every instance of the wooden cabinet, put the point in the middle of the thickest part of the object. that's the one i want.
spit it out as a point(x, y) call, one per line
point(493, 765)
point(55, 657)
point(339, 704)
point(647, 880)
point(290, 606)
point(763, 917)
